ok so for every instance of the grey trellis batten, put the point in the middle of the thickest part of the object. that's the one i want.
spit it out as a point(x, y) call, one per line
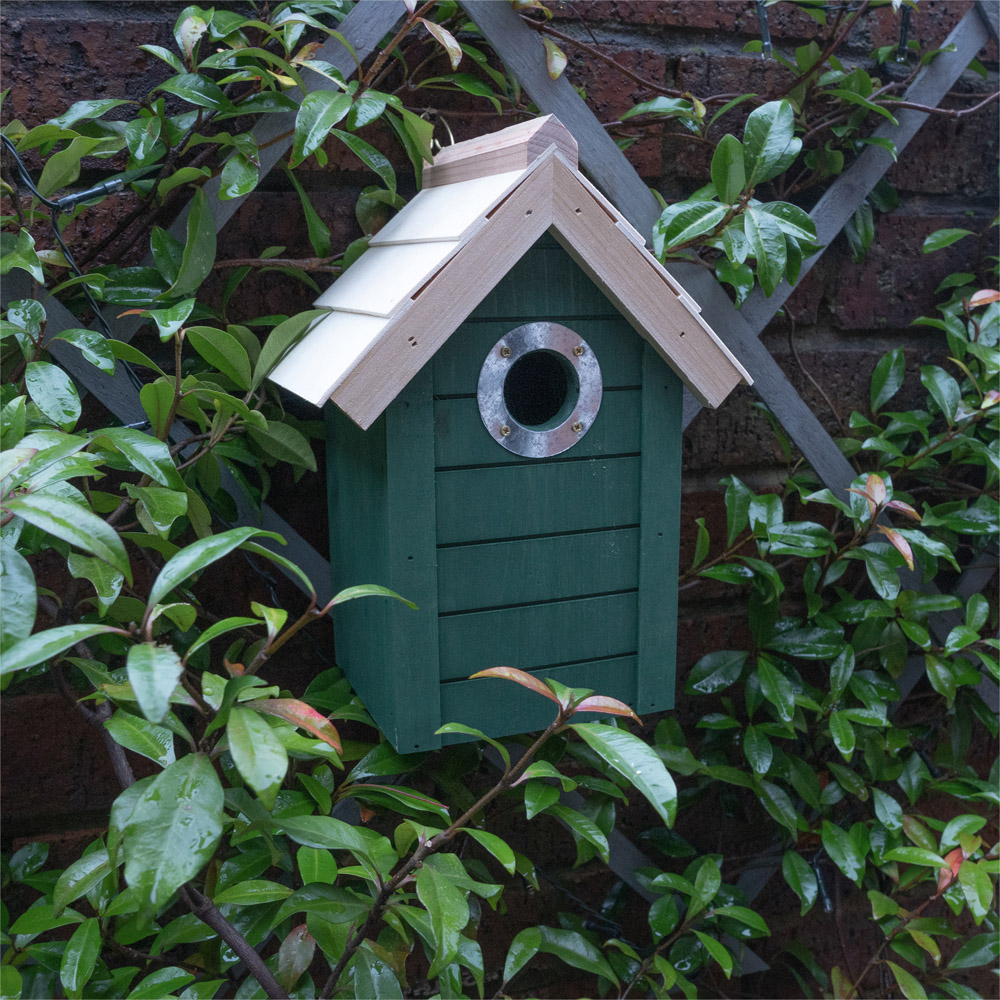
point(559, 559)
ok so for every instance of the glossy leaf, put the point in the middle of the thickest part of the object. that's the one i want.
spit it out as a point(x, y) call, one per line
point(908, 984)
point(635, 761)
point(523, 948)
point(253, 892)
point(317, 114)
point(80, 956)
point(887, 379)
point(942, 238)
point(146, 453)
point(223, 351)
point(575, 950)
point(728, 173)
point(280, 339)
point(173, 830)
point(142, 737)
point(496, 846)
point(767, 135)
point(447, 41)
point(776, 801)
point(53, 392)
point(199, 248)
point(20, 596)
point(44, 645)
point(449, 913)
point(606, 706)
point(259, 757)
point(298, 713)
point(526, 680)
point(718, 952)
point(92, 345)
point(153, 672)
point(316, 865)
point(79, 878)
point(977, 886)
point(555, 58)
point(842, 851)
point(802, 879)
point(197, 90)
point(716, 671)
point(767, 244)
point(295, 955)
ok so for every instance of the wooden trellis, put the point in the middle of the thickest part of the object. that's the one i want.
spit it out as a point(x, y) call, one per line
point(521, 49)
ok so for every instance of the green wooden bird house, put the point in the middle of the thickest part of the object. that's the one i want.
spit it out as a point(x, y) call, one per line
point(504, 368)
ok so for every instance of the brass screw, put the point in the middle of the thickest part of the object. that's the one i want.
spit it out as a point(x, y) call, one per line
point(577, 427)
point(505, 352)
point(578, 350)
point(504, 431)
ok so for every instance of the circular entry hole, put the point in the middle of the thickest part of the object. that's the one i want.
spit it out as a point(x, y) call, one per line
point(541, 389)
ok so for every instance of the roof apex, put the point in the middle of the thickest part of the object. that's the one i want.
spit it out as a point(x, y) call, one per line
point(513, 148)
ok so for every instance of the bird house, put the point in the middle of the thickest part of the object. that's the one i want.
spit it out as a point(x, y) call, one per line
point(502, 371)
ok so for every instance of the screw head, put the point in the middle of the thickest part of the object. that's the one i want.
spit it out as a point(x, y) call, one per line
point(578, 350)
point(505, 351)
point(577, 427)
point(504, 431)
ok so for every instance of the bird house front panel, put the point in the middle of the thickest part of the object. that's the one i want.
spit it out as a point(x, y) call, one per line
point(533, 469)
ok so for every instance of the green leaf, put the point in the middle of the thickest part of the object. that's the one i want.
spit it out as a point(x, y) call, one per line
point(888, 810)
point(715, 672)
point(285, 443)
point(173, 829)
point(253, 892)
point(158, 507)
point(495, 845)
point(20, 596)
point(768, 134)
point(153, 672)
point(197, 90)
point(44, 645)
point(887, 379)
point(942, 238)
point(336, 835)
point(319, 232)
point(843, 852)
point(63, 168)
point(983, 949)
point(687, 221)
point(23, 256)
point(777, 803)
point(449, 913)
point(800, 876)
point(259, 757)
point(317, 114)
point(80, 956)
point(280, 339)
point(707, 880)
point(86, 109)
point(53, 392)
point(843, 734)
point(908, 985)
point(575, 950)
point(199, 248)
point(239, 177)
point(79, 878)
point(370, 157)
point(223, 351)
point(977, 886)
point(916, 856)
point(523, 948)
point(944, 390)
point(142, 737)
point(775, 686)
point(758, 750)
point(728, 174)
point(718, 952)
point(793, 220)
point(767, 244)
point(584, 828)
point(92, 345)
point(458, 727)
point(316, 865)
point(196, 556)
point(634, 761)
point(149, 455)
point(375, 978)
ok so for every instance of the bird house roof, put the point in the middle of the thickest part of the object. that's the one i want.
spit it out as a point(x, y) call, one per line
point(485, 202)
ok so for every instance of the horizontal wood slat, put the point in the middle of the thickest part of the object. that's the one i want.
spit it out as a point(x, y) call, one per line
point(474, 702)
point(460, 439)
point(532, 636)
point(617, 346)
point(483, 504)
point(498, 574)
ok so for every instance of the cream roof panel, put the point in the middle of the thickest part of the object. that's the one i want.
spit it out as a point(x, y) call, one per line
point(384, 277)
point(318, 362)
point(444, 213)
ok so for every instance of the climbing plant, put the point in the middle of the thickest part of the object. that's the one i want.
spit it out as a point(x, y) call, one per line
point(224, 869)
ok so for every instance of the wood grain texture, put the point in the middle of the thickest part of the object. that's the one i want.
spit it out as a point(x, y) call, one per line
point(474, 702)
point(512, 148)
point(541, 498)
point(535, 635)
point(460, 439)
point(499, 574)
point(659, 535)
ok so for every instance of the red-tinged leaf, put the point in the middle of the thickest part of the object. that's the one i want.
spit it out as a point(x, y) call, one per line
point(875, 487)
point(366, 813)
point(131, 312)
point(298, 713)
point(234, 669)
point(607, 706)
point(984, 297)
point(295, 956)
point(903, 508)
point(990, 399)
point(948, 875)
point(306, 52)
point(862, 493)
point(446, 39)
point(410, 5)
point(518, 677)
point(555, 59)
point(902, 545)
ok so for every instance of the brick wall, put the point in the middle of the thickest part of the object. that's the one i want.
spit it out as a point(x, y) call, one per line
point(845, 314)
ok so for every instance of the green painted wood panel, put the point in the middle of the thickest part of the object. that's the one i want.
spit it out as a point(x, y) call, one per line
point(477, 703)
point(544, 283)
point(617, 346)
point(532, 636)
point(499, 574)
point(476, 505)
point(660, 533)
point(460, 439)
point(382, 531)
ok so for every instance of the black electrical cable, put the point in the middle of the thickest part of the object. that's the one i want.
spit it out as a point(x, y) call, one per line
point(61, 205)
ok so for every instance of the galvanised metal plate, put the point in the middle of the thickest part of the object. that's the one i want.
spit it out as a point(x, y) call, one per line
point(544, 441)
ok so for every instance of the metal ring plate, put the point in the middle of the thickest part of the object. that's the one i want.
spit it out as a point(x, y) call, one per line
point(522, 340)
